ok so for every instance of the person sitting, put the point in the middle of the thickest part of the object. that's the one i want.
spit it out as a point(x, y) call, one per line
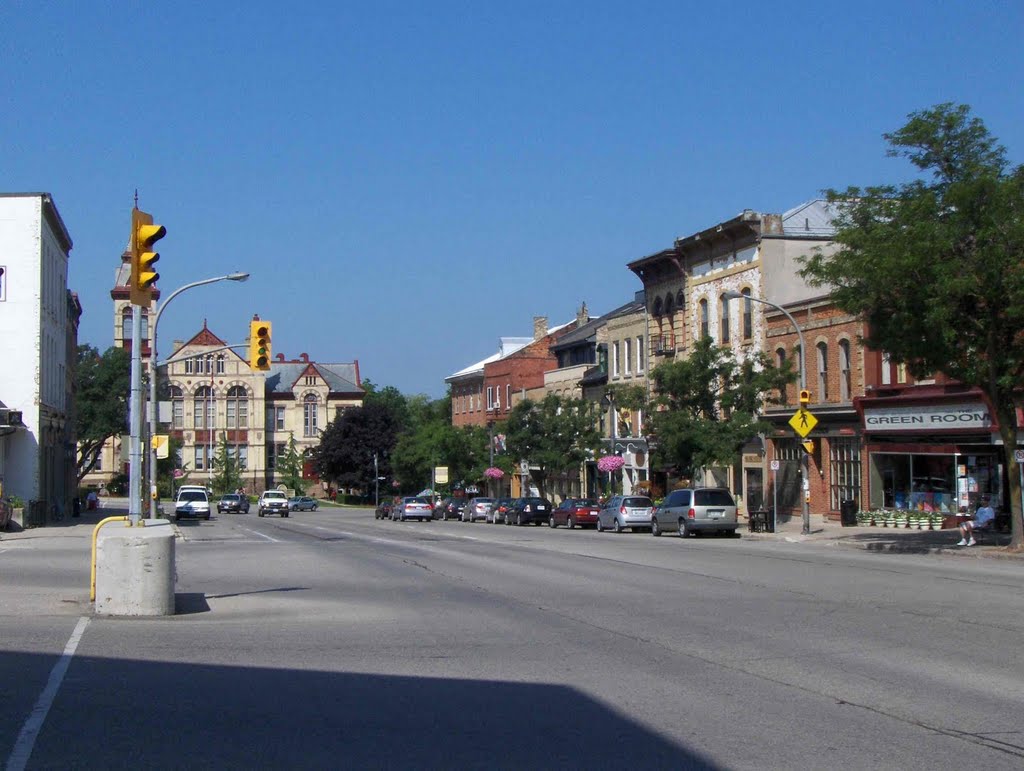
point(983, 518)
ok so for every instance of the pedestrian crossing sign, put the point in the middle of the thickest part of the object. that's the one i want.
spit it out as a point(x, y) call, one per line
point(803, 422)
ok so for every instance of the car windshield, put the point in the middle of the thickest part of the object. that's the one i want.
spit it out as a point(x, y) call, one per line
point(230, 498)
point(417, 500)
point(192, 495)
point(637, 502)
point(712, 498)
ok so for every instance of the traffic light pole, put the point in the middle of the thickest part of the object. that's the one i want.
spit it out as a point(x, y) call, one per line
point(135, 421)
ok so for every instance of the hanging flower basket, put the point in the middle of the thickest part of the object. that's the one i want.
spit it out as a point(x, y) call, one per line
point(494, 473)
point(609, 463)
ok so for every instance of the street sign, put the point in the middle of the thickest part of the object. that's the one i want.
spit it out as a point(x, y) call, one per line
point(161, 445)
point(1018, 455)
point(803, 422)
point(776, 465)
point(441, 475)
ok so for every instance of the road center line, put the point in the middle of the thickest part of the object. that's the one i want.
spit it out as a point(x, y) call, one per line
point(27, 738)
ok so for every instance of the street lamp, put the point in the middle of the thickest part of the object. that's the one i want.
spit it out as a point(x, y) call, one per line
point(153, 359)
point(732, 294)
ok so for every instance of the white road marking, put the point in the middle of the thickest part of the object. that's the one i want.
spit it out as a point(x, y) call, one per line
point(261, 535)
point(27, 738)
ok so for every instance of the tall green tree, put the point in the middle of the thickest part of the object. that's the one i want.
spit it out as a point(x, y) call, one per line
point(935, 266)
point(101, 401)
point(554, 435)
point(227, 474)
point(345, 455)
point(708, 405)
point(289, 468)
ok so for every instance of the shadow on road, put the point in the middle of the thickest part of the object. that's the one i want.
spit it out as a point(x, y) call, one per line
point(115, 713)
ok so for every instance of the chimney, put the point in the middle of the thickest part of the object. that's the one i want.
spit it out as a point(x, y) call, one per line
point(582, 315)
point(540, 327)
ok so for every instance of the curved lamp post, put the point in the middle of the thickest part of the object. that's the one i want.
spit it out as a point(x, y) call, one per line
point(153, 362)
point(732, 294)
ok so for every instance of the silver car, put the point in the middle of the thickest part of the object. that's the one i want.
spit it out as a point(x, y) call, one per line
point(478, 508)
point(622, 511)
point(694, 510)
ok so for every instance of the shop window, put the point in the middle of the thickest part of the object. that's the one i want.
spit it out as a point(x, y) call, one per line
point(844, 471)
point(919, 482)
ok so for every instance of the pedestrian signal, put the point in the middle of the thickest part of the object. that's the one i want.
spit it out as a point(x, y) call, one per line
point(805, 396)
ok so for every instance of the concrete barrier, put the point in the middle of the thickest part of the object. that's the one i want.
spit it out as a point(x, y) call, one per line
point(135, 570)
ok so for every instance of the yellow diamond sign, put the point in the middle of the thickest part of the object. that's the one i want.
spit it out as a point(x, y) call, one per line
point(803, 422)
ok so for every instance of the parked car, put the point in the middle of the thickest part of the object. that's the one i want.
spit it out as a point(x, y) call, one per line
point(477, 508)
point(440, 507)
point(499, 509)
point(573, 512)
point(454, 510)
point(192, 503)
point(695, 510)
point(383, 510)
point(414, 507)
point(525, 511)
point(625, 511)
point(273, 502)
point(233, 503)
point(302, 503)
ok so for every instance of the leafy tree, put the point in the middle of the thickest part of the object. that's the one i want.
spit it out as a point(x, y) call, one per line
point(227, 475)
point(935, 266)
point(708, 405)
point(101, 406)
point(555, 434)
point(347, 446)
point(289, 467)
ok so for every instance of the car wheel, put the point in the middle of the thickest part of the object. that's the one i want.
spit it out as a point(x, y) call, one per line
point(508, 520)
point(569, 524)
point(617, 526)
point(655, 527)
point(284, 514)
point(600, 527)
point(207, 517)
point(261, 512)
point(519, 520)
point(314, 507)
point(684, 529)
point(551, 521)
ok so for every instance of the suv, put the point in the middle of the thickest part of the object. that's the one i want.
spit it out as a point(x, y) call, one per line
point(696, 509)
point(273, 502)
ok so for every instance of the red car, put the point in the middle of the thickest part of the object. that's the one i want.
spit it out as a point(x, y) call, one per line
point(573, 512)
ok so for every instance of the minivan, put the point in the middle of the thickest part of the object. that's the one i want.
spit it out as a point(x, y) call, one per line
point(695, 510)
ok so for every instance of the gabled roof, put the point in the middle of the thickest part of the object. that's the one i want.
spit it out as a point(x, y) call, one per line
point(588, 332)
point(811, 219)
point(340, 378)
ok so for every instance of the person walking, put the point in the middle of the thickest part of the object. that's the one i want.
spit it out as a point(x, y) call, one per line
point(984, 515)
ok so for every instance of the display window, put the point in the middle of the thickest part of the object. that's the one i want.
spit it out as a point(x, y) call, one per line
point(932, 483)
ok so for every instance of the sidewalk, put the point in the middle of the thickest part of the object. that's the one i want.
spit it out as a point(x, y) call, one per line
point(895, 540)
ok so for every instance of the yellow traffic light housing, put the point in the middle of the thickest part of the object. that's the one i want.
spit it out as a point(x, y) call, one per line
point(808, 445)
point(259, 344)
point(144, 275)
point(805, 396)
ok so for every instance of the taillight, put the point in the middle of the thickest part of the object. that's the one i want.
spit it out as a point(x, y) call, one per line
point(691, 514)
point(622, 509)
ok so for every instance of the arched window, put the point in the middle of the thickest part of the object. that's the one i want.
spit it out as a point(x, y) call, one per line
point(202, 407)
point(126, 323)
point(748, 315)
point(704, 319)
point(822, 372)
point(845, 379)
point(657, 306)
point(670, 305)
point(220, 363)
point(681, 299)
point(723, 303)
point(177, 407)
point(309, 415)
point(780, 362)
point(237, 407)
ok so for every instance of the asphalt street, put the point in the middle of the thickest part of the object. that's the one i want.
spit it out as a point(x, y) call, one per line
point(330, 639)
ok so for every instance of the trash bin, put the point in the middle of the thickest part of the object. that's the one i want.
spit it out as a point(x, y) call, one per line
point(848, 513)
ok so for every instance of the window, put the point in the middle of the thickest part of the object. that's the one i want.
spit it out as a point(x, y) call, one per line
point(615, 359)
point(310, 380)
point(656, 310)
point(901, 372)
point(220, 364)
point(508, 396)
point(748, 315)
point(822, 372)
point(845, 381)
point(490, 397)
point(309, 415)
point(780, 362)
point(703, 319)
point(202, 408)
point(724, 303)
point(126, 323)
point(844, 471)
point(639, 354)
point(886, 370)
point(189, 366)
point(243, 457)
point(237, 408)
point(177, 408)
point(201, 455)
point(628, 355)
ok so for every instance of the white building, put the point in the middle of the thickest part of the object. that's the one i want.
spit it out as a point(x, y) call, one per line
point(38, 324)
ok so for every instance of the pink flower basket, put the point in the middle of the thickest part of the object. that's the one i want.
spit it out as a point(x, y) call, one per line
point(494, 473)
point(609, 463)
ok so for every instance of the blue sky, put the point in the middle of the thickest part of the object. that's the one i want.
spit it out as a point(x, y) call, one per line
point(407, 182)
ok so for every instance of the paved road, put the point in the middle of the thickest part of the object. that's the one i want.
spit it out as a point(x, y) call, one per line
point(330, 639)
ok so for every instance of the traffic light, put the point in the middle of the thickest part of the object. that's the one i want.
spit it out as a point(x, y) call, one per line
point(805, 396)
point(808, 445)
point(259, 344)
point(144, 275)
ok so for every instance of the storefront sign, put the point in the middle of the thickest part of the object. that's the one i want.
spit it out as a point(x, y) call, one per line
point(931, 417)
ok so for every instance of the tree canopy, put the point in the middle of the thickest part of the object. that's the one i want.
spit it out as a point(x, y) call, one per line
point(935, 266)
point(347, 446)
point(710, 403)
point(101, 406)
